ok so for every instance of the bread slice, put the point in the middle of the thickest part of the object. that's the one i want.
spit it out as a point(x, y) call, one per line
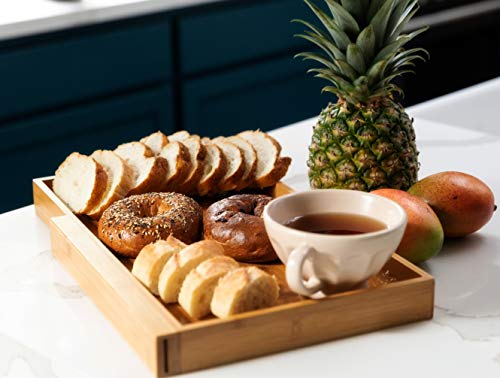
point(235, 164)
point(155, 141)
point(152, 258)
point(150, 172)
point(178, 267)
point(214, 167)
point(120, 180)
point(198, 287)
point(179, 136)
point(179, 165)
point(250, 160)
point(244, 289)
point(197, 152)
point(80, 182)
point(269, 165)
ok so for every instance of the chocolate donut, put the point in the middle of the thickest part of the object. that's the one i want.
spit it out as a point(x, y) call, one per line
point(130, 224)
point(237, 223)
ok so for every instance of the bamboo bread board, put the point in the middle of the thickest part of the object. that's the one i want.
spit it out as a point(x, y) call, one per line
point(170, 342)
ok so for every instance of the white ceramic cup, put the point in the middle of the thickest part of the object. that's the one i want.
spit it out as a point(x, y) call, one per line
point(317, 264)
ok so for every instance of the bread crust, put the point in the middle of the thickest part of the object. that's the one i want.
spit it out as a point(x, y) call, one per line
point(232, 181)
point(208, 183)
point(276, 174)
point(191, 182)
point(130, 224)
point(236, 223)
point(179, 172)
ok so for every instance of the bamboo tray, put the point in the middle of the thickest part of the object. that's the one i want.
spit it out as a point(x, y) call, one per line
point(169, 342)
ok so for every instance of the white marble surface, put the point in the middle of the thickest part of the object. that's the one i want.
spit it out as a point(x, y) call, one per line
point(49, 328)
point(26, 17)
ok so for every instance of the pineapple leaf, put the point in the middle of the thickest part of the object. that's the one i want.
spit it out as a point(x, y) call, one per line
point(318, 58)
point(386, 80)
point(340, 93)
point(399, 13)
point(355, 58)
point(394, 33)
point(375, 72)
point(324, 39)
point(366, 43)
point(380, 20)
point(354, 7)
point(374, 6)
point(339, 36)
point(337, 80)
point(347, 69)
point(320, 43)
point(343, 18)
point(398, 43)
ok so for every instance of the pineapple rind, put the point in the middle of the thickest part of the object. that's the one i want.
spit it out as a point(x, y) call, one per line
point(363, 148)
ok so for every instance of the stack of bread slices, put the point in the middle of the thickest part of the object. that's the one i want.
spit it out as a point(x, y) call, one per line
point(202, 279)
point(181, 162)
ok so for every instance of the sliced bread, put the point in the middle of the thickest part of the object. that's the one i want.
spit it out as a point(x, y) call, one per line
point(179, 136)
point(270, 168)
point(214, 167)
point(151, 260)
point(244, 289)
point(177, 268)
point(120, 180)
point(80, 182)
point(250, 160)
point(179, 164)
point(155, 141)
point(235, 164)
point(150, 172)
point(197, 152)
point(198, 287)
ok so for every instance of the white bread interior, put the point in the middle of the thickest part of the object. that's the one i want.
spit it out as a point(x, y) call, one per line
point(179, 164)
point(156, 141)
point(80, 182)
point(244, 289)
point(151, 260)
point(197, 154)
point(235, 164)
point(177, 268)
point(249, 158)
point(198, 287)
point(214, 167)
point(179, 136)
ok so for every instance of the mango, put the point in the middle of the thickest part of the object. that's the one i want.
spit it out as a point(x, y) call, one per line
point(423, 237)
point(462, 202)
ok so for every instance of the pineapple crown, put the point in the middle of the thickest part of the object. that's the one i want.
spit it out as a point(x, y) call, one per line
point(362, 47)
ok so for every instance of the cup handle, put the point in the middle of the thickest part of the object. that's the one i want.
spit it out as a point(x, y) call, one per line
point(294, 267)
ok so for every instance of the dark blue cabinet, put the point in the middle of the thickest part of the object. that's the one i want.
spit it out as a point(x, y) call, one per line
point(35, 147)
point(264, 95)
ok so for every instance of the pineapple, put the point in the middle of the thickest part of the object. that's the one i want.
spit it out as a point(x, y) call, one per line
point(366, 140)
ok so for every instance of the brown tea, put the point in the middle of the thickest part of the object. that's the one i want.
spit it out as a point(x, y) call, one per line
point(335, 223)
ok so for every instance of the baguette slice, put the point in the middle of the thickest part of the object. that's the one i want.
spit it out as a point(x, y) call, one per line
point(152, 258)
point(214, 167)
point(235, 164)
point(80, 182)
point(244, 289)
point(179, 164)
point(270, 167)
point(198, 287)
point(120, 180)
point(155, 141)
point(250, 160)
point(149, 171)
point(179, 136)
point(178, 267)
point(197, 152)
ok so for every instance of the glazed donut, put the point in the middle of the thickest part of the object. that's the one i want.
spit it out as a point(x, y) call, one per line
point(236, 222)
point(131, 223)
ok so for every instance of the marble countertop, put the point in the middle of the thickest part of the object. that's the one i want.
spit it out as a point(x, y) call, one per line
point(19, 18)
point(50, 328)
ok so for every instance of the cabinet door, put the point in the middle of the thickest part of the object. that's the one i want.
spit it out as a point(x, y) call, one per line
point(266, 96)
point(35, 147)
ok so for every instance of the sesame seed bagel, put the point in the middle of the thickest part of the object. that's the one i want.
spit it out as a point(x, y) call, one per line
point(130, 224)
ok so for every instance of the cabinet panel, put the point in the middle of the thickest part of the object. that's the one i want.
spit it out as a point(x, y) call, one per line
point(35, 147)
point(61, 69)
point(229, 36)
point(265, 96)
